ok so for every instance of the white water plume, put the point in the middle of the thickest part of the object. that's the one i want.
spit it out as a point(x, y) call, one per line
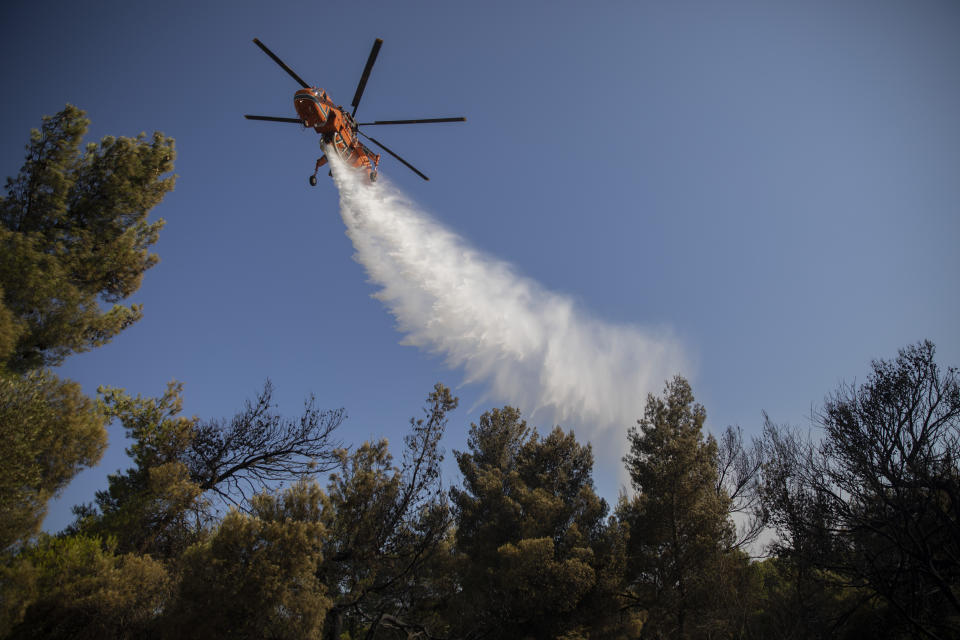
point(532, 348)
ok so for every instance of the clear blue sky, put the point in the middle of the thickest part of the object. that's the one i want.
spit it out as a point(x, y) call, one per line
point(778, 184)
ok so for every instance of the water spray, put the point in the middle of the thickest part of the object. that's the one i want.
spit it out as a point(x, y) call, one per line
point(529, 347)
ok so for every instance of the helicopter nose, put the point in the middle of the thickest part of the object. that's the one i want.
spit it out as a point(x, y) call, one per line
point(310, 108)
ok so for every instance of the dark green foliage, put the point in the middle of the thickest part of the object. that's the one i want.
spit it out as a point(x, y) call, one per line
point(73, 232)
point(257, 575)
point(49, 430)
point(792, 602)
point(533, 553)
point(78, 588)
point(154, 507)
point(678, 553)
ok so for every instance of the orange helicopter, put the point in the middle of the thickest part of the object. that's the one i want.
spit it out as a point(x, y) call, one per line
point(337, 127)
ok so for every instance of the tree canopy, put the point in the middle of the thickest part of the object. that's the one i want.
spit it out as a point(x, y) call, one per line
point(534, 552)
point(520, 546)
point(875, 504)
point(49, 430)
point(73, 235)
point(678, 519)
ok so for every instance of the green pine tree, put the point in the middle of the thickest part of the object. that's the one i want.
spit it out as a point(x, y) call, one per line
point(535, 557)
point(73, 235)
point(679, 530)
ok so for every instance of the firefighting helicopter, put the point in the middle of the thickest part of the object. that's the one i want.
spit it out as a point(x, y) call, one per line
point(338, 129)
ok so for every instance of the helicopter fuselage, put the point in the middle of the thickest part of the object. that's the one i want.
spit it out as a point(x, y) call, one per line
point(336, 126)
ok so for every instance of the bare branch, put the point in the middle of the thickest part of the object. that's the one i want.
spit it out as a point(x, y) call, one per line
point(258, 449)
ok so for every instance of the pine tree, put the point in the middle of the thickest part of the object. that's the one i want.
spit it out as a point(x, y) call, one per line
point(535, 559)
point(679, 530)
point(73, 235)
point(49, 430)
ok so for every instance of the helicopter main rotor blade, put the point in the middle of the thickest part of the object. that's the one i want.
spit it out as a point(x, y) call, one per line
point(382, 146)
point(421, 121)
point(281, 63)
point(366, 75)
point(274, 119)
